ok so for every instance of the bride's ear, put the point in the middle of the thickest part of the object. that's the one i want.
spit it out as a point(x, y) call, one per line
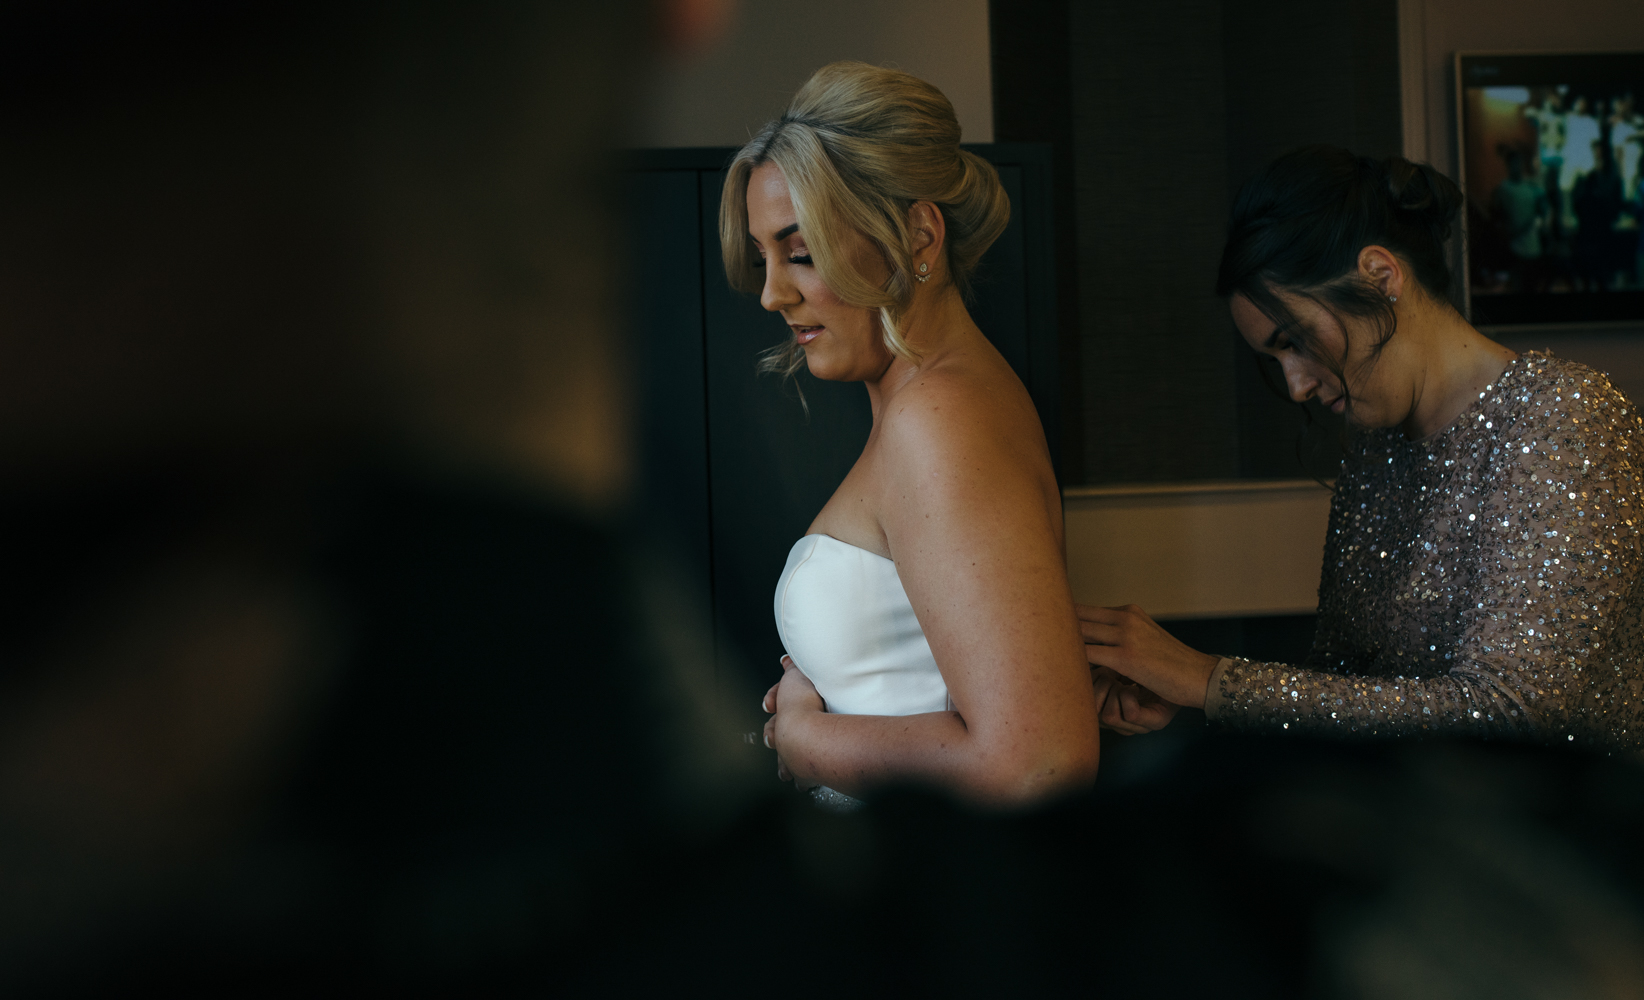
point(929, 231)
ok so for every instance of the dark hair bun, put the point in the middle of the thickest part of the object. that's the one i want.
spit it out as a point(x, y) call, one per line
point(1300, 223)
point(1423, 195)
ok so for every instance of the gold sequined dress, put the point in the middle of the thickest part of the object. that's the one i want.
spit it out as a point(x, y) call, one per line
point(1485, 580)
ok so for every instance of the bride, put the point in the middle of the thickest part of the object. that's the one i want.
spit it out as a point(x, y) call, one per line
point(926, 614)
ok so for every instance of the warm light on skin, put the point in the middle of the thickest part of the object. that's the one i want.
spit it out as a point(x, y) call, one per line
point(849, 346)
point(1420, 380)
point(954, 475)
point(1306, 375)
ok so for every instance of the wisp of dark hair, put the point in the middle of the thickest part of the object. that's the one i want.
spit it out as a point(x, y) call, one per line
point(1298, 227)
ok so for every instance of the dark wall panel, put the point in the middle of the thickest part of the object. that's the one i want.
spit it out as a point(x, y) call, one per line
point(1302, 72)
point(1150, 143)
point(1033, 103)
point(1000, 309)
point(1173, 106)
point(667, 336)
point(1309, 71)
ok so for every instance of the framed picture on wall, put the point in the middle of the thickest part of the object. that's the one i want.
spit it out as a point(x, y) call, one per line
point(1551, 149)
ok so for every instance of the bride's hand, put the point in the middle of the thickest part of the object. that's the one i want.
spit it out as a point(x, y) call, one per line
point(790, 699)
point(1128, 641)
point(1128, 708)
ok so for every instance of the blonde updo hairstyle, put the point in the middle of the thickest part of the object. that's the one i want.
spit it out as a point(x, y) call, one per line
point(858, 146)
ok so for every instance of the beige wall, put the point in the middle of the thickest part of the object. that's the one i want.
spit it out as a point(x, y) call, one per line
point(1431, 32)
point(773, 46)
point(1198, 550)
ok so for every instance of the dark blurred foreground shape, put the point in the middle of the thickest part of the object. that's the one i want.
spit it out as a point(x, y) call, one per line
point(1201, 866)
point(326, 654)
point(328, 660)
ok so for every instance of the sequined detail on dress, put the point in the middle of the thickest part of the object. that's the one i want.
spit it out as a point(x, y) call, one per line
point(1485, 580)
point(837, 802)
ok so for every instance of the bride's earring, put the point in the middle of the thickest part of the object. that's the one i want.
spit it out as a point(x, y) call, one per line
point(1392, 298)
point(922, 276)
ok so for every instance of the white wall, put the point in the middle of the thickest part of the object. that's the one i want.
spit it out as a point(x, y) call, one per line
point(773, 46)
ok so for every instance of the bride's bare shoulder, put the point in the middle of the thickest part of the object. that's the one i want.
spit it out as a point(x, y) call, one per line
point(956, 411)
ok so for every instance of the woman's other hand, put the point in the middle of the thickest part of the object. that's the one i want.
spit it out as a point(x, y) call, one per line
point(789, 699)
point(1127, 641)
point(1128, 708)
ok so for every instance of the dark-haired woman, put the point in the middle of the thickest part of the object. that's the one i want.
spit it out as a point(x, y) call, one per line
point(1483, 566)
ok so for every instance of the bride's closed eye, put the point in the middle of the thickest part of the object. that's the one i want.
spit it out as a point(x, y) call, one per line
point(798, 258)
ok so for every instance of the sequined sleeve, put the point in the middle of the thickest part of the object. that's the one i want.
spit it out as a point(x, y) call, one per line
point(1547, 634)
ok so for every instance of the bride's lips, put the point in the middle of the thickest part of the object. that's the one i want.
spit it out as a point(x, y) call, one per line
point(1338, 404)
point(806, 334)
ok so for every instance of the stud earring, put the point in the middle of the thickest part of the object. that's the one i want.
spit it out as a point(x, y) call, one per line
point(922, 276)
point(1392, 298)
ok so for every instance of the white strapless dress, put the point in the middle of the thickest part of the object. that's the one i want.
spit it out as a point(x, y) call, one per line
point(847, 624)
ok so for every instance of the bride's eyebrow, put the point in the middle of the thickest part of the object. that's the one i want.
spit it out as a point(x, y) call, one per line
point(1273, 338)
point(781, 234)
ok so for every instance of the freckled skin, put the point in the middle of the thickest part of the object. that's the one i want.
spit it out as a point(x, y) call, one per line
point(955, 485)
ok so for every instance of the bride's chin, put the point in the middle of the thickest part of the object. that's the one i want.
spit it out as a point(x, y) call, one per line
point(818, 365)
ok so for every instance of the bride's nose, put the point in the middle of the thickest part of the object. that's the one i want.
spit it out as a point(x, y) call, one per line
point(779, 292)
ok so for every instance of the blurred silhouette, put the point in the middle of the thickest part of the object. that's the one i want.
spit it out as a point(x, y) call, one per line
point(1601, 250)
point(327, 660)
point(1521, 212)
point(324, 654)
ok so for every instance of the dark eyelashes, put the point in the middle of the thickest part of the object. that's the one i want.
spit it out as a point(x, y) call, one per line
point(759, 262)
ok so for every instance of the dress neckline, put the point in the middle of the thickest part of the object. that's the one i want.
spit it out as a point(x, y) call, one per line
point(1472, 405)
point(848, 545)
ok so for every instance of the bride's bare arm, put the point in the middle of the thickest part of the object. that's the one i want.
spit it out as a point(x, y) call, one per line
point(972, 520)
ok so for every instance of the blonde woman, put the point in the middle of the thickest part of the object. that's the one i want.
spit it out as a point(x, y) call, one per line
point(930, 631)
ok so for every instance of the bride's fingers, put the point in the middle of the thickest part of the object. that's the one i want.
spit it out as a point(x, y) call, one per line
point(768, 703)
